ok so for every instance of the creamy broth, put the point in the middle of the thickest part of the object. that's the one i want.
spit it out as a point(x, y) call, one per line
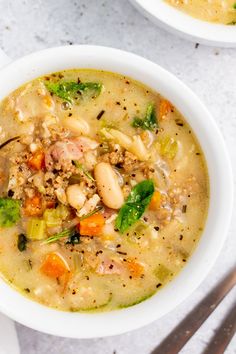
point(218, 11)
point(104, 191)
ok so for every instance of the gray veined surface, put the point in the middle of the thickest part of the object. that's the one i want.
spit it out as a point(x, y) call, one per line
point(8, 337)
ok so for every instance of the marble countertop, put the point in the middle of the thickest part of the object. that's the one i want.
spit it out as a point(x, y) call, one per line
point(29, 25)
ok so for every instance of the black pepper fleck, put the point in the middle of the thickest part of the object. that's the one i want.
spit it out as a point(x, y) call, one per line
point(100, 114)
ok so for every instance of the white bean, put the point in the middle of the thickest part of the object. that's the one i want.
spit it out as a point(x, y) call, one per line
point(76, 125)
point(108, 185)
point(75, 196)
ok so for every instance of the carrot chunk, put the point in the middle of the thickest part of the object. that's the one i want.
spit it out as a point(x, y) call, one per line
point(164, 108)
point(155, 201)
point(33, 206)
point(92, 226)
point(136, 269)
point(37, 161)
point(54, 266)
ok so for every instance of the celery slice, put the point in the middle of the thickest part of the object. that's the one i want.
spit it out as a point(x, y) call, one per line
point(92, 308)
point(162, 272)
point(138, 301)
point(36, 229)
point(168, 147)
point(54, 217)
point(51, 218)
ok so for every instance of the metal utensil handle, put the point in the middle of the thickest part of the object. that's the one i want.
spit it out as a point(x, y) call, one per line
point(175, 341)
point(223, 334)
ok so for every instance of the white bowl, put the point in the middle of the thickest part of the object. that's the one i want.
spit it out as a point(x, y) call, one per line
point(186, 26)
point(82, 325)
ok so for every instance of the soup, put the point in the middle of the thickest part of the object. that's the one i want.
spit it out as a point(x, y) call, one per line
point(104, 191)
point(218, 11)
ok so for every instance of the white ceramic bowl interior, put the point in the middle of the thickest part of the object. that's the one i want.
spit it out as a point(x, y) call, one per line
point(186, 26)
point(85, 325)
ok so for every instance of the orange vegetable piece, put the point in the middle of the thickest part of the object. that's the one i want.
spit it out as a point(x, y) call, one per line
point(33, 206)
point(54, 266)
point(164, 108)
point(92, 226)
point(155, 201)
point(37, 160)
point(135, 268)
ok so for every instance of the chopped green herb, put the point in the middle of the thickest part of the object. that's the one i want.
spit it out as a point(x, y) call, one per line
point(63, 234)
point(135, 205)
point(22, 242)
point(92, 213)
point(83, 169)
point(149, 122)
point(9, 212)
point(234, 5)
point(70, 90)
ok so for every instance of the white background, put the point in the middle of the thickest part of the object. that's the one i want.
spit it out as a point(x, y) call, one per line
point(29, 25)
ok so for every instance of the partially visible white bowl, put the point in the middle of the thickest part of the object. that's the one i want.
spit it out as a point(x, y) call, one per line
point(85, 325)
point(186, 26)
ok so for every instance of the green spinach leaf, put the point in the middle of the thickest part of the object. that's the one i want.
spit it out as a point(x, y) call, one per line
point(149, 122)
point(9, 212)
point(70, 90)
point(73, 239)
point(22, 242)
point(135, 205)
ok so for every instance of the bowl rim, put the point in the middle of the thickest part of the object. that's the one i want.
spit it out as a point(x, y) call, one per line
point(87, 325)
point(185, 25)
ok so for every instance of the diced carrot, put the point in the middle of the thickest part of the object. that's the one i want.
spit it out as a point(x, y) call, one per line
point(92, 226)
point(33, 206)
point(155, 201)
point(164, 108)
point(54, 266)
point(135, 268)
point(37, 160)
